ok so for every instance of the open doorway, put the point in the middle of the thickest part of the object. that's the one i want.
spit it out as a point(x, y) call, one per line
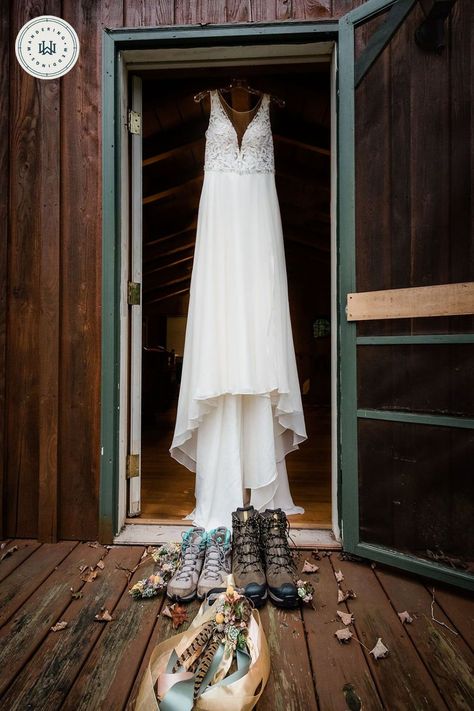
point(173, 127)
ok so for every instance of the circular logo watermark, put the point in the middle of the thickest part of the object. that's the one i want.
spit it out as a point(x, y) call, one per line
point(47, 47)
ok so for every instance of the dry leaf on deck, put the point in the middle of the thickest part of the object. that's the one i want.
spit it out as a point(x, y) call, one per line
point(103, 616)
point(59, 626)
point(345, 617)
point(8, 552)
point(88, 576)
point(178, 615)
point(380, 650)
point(345, 595)
point(343, 635)
point(100, 564)
point(339, 576)
point(309, 567)
point(94, 544)
point(405, 617)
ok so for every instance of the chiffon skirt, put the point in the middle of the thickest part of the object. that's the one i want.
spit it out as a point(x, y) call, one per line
point(239, 408)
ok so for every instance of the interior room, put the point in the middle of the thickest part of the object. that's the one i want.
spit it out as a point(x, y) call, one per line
point(174, 126)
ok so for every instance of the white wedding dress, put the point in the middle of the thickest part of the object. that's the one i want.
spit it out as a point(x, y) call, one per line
point(239, 408)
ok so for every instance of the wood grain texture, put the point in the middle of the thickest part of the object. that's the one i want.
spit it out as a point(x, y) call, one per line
point(107, 677)
point(146, 14)
point(22, 635)
point(335, 664)
point(81, 271)
point(22, 375)
point(402, 679)
point(414, 302)
point(45, 681)
point(444, 653)
point(4, 224)
point(49, 300)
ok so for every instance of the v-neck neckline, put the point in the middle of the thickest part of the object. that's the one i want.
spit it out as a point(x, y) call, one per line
point(258, 107)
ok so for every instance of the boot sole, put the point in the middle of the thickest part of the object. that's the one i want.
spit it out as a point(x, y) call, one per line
point(181, 598)
point(287, 603)
point(258, 600)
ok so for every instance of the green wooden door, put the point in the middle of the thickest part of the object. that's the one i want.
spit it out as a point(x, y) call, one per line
point(406, 378)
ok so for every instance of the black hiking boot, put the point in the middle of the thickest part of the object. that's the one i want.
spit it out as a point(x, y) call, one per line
point(247, 566)
point(280, 567)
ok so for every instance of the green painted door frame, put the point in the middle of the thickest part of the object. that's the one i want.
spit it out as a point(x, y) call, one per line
point(342, 33)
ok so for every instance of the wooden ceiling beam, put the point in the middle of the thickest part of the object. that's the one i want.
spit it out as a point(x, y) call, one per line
point(313, 148)
point(163, 194)
point(160, 267)
point(170, 282)
point(166, 296)
point(172, 152)
point(163, 238)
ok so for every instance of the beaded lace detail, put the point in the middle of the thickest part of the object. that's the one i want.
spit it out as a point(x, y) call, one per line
point(223, 154)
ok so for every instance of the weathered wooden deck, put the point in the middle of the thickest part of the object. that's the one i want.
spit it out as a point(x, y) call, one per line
point(94, 665)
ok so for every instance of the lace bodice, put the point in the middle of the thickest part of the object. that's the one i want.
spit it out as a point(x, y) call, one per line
point(223, 154)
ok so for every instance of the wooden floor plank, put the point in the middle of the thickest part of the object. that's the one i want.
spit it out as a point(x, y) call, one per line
point(25, 548)
point(44, 682)
point(446, 655)
point(162, 630)
point(27, 577)
point(24, 633)
point(334, 664)
point(401, 678)
point(107, 677)
point(458, 605)
point(290, 685)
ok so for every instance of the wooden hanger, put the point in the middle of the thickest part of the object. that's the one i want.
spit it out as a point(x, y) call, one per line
point(239, 84)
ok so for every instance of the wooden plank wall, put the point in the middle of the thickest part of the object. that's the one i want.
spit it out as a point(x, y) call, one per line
point(50, 266)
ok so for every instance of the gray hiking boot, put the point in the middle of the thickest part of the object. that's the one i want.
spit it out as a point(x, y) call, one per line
point(183, 584)
point(280, 567)
point(246, 555)
point(217, 563)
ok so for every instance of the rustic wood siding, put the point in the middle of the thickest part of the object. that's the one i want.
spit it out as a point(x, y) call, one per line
point(50, 266)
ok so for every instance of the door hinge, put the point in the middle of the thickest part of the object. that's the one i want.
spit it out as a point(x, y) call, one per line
point(134, 290)
point(134, 122)
point(133, 465)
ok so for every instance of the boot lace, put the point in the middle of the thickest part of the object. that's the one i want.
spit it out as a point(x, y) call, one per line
point(246, 546)
point(216, 560)
point(189, 557)
point(278, 554)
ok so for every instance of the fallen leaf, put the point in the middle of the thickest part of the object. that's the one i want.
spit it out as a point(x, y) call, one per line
point(59, 626)
point(315, 554)
point(345, 595)
point(100, 564)
point(345, 617)
point(380, 650)
point(94, 544)
point(75, 594)
point(8, 552)
point(177, 613)
point(339, 576)
point(82, 568)
point(309, 567)
point(405, 617)
point(103, 616)
point(353, 701)
point(89, 576)
point(343, 635)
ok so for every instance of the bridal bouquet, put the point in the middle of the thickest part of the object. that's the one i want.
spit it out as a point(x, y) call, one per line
point(166, 558)
point(221, 661)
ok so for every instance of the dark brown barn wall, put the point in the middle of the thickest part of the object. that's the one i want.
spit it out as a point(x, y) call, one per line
point(50, 276)
point(4, 219)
